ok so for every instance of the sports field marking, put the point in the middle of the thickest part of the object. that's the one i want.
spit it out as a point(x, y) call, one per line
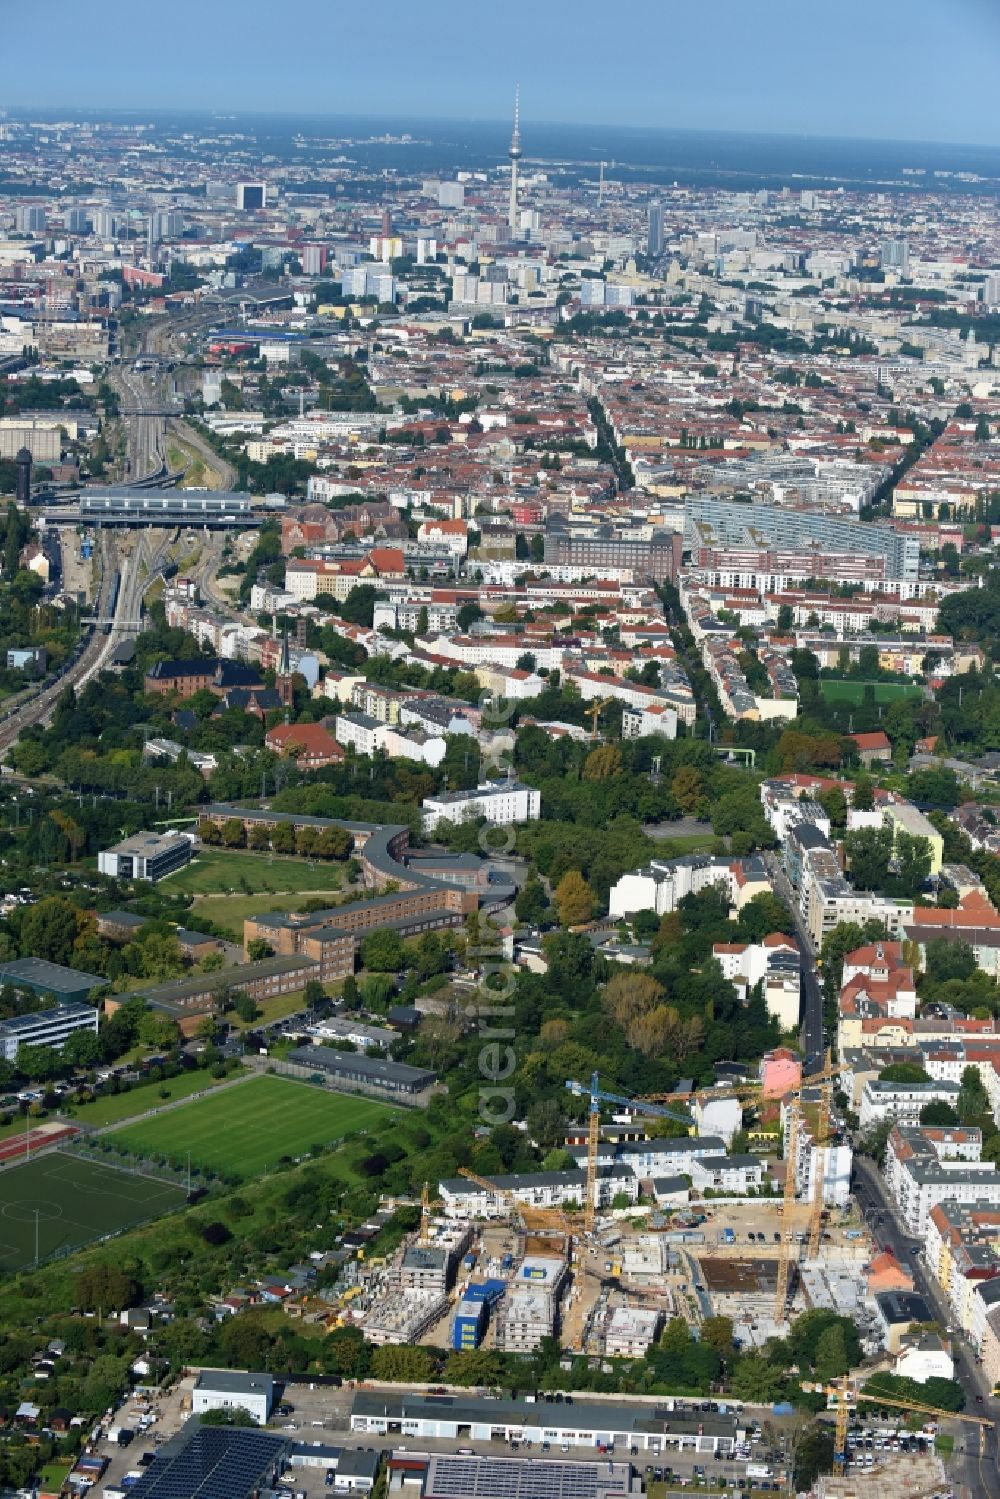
point(28, 1208)
point(98, 1189)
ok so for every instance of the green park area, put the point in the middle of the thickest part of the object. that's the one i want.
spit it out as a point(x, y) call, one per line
point(846, 690)
point(69, 1202)
point(248, 1129)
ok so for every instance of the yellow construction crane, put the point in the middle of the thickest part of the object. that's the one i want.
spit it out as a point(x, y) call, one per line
point(425, 1213)
point(793, 1128)
point(824, 1124)
point(843, 1396)
point(594, 713)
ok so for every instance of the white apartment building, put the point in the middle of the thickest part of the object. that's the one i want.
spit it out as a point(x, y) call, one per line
point(45, 1028)
point(663, 883)
point(499, 802)
point(901, 1101)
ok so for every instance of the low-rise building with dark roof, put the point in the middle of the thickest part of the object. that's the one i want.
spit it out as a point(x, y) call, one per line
point(185, 1000)
point(375, 1074)
point(39, 976)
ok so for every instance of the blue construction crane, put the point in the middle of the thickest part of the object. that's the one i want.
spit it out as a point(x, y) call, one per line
point(597, 1096)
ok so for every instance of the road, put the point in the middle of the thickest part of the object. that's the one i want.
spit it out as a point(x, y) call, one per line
point(813, 1040)
point(976, 1465)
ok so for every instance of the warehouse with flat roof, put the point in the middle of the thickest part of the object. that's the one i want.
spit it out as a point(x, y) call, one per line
point(651, 1428)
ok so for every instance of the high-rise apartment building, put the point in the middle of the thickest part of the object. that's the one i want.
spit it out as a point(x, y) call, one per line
point(894, 255)
point(30, 220)
point(654, 230)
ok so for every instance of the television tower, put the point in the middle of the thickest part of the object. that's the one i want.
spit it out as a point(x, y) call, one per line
point(515, 156)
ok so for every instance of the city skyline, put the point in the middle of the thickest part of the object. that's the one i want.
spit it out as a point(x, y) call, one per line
point(769, 69)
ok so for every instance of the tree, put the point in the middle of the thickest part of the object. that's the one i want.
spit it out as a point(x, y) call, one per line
point(913, 863)
point(869, 853)
point(258, 949)
point(949, 960)
point(228, 1415)
point(834, 804)
point(531, 904)
point(574, 899)
point(383, 951)
point(940, 1114)
point(973, 1100)
point(904, 1072)
point(717, 1332)
point(245, 1006)
point(786, 618)
point(81, 1049)
point(603, 763)
point(814, 1456)
point(40, 1063)
point(314, 994)
point(359, 606)
point(49, 929)
point(104, 1287)
point(831, 1354)
point(630, 994)
point(468, 614)
point(764, 914)
point(283, 838)
point(401, 1363)
point(156, 1029)
point(863, 799)
point(687, 789)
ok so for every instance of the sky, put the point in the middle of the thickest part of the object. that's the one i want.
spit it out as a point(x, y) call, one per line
point(881, 69)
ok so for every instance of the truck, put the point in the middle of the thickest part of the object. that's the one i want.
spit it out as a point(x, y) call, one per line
point(758, 1470)
point(728, 1236)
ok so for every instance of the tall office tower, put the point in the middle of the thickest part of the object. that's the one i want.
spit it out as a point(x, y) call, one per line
point(386, 222)
point(515, 156)
point(654, 231)
point(77, 221)
point(250, 196)
point(894, 254)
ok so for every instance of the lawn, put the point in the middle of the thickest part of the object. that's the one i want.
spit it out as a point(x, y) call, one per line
point(217, 871)
point(250, 1128)
point(111, 1108)
point(73, 1202)
point(228, 912)
point(843, 690)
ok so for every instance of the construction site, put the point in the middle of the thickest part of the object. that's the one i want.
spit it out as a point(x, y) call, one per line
point(605, 1272)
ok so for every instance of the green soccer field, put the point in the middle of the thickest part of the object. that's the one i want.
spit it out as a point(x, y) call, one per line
point(248, 1128)
point(74, 1202)
point(842, 690)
